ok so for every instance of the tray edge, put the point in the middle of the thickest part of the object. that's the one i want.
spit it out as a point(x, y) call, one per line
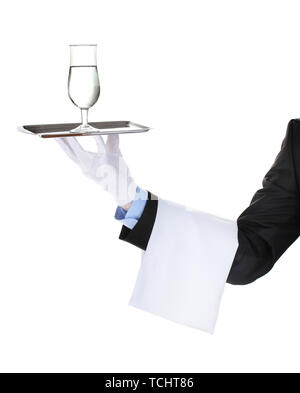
point(141, 129)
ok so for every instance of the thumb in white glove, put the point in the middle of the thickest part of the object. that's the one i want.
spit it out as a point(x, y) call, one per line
point(107, 166)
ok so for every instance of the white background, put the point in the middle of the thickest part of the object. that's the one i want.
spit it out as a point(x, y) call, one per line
point(218, 81)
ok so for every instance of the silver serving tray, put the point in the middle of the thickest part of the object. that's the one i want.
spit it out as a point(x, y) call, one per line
point(64, 130)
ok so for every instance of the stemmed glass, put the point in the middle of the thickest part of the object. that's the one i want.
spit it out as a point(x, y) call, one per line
point(83, 82)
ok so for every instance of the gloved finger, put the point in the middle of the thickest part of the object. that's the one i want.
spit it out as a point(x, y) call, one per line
point(100, 143)
point(66, 148)
point(112, 143)
point(74, 145)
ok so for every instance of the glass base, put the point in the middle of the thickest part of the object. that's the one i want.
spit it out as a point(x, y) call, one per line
point(84, 128)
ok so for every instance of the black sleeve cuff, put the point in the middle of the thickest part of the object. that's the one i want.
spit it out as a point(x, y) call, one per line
point(139, 236)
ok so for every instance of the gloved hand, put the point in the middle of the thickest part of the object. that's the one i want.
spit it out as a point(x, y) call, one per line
point(107, 166)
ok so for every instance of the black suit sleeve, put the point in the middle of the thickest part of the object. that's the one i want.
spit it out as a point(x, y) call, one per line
point(272, 221)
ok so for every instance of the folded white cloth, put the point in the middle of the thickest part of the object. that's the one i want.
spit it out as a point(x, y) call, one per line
point(185, 266)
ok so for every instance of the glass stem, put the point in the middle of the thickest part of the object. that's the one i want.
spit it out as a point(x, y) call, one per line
point(84, 117)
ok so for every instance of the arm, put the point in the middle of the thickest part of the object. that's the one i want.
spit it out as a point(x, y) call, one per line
point(272, 221)
point(189, 254)
point(266, 228)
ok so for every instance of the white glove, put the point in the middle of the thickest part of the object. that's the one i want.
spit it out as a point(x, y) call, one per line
point(107, 166)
